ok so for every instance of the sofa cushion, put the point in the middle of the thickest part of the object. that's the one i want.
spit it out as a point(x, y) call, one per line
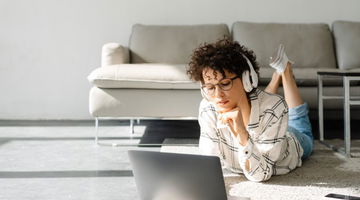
point(171, 44)
point(150, 76)
point(347, 40)
point(308, 45)
point(307, 77)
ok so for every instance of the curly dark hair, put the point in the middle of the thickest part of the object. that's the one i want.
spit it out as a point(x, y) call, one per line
point(224, 54)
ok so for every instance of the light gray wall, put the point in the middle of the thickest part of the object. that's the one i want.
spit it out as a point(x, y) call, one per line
point(48, 47)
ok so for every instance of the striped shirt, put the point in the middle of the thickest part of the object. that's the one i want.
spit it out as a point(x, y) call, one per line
point(271, 149)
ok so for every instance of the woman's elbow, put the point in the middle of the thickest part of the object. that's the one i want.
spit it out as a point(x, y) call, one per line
point(258, 177)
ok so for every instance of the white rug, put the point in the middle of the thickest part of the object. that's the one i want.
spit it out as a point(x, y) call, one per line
point(324, 172)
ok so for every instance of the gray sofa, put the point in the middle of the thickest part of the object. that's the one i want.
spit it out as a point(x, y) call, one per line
point(147, 78)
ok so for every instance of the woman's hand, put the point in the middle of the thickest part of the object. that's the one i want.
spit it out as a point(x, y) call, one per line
point(234, 120)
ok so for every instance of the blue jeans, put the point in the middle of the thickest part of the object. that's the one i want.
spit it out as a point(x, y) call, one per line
point(299, 124)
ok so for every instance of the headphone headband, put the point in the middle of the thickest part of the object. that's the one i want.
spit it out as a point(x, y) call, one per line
point(248, 62)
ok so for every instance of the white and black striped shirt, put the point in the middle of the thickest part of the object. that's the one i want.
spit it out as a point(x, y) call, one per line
point(271, 149)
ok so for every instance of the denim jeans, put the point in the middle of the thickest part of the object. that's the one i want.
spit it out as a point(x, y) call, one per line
point(299, 124)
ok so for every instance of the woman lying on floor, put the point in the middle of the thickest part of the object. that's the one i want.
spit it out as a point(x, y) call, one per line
point(254, 132)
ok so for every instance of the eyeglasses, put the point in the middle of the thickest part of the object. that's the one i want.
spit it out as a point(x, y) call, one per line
point(224, 84)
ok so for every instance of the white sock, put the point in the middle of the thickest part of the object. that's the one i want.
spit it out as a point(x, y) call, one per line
point(281, 60)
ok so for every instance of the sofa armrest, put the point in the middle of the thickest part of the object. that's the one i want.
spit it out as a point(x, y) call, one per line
point(114, 53)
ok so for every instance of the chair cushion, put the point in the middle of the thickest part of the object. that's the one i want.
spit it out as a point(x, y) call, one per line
point(171, 44)
point(151, 76)
point(347, 40)
point(308, 45)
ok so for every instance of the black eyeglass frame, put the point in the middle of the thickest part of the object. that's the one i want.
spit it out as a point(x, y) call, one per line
point(219, 84)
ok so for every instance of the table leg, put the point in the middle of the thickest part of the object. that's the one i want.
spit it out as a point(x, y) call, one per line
point(320, 108)
point(347, 126)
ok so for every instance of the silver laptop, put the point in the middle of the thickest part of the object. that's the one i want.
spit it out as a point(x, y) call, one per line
point(171, 176)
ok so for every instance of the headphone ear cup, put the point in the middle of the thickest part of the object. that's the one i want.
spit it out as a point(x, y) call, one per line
point(254, 77)
point(246, 81)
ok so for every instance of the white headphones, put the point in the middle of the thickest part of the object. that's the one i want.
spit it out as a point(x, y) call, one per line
point(247, 83)
point(246, 76)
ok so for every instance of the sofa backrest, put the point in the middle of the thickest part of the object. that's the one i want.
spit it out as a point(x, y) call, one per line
point(309, 45)
point(171, 43)
point(347, 40)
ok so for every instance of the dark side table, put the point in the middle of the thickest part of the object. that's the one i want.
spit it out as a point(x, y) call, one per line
point(346, 76)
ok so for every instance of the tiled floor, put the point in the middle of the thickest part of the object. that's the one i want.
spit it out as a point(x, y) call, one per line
point(62, 162)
